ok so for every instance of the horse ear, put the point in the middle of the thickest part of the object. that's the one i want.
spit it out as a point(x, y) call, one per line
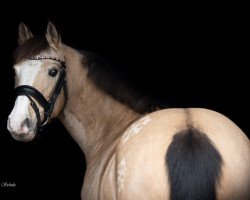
point(24, 33)
point(52, 36)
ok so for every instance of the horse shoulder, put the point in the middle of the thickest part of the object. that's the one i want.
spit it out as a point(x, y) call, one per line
point(108, 181)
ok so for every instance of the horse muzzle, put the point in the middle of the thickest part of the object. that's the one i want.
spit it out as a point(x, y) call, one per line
point(23, 131)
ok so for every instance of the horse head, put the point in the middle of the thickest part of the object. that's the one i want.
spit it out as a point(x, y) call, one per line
point(40, 84)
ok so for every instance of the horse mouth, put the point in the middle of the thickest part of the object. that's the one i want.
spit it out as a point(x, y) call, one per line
point(23, 137)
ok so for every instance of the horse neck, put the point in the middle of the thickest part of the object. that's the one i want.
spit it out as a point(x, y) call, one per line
point(94, 119)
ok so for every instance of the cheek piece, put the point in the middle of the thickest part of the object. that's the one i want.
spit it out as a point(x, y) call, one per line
point(48, 105)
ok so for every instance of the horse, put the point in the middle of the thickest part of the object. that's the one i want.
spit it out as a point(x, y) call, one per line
point(131, 150)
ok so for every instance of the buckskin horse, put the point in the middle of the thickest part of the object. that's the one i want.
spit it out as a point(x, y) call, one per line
point(131, 152)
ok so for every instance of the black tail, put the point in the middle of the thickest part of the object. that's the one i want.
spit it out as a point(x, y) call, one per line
point(194, 166)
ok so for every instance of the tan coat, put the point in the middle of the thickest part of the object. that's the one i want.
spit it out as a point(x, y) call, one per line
point(125, 150)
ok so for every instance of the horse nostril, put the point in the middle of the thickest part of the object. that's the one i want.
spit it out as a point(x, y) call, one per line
point(26, 122)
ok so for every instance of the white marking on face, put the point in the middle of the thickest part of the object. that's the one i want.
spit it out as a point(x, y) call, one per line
point(135, 128)
point(26, 73)
point(19, 113)
point(121, 173)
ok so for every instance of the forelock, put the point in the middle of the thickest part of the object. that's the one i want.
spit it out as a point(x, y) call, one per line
point(30, 48)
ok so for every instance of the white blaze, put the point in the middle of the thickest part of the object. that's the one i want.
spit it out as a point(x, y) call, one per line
point(26, 73)
point(19, 113)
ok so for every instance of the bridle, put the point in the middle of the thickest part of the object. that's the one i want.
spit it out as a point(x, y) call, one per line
point(48, 106)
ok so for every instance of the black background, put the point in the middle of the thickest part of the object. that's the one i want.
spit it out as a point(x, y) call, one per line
point(184, 55)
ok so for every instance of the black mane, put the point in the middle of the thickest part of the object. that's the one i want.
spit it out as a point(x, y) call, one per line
point(116, 84)
point(107, 78)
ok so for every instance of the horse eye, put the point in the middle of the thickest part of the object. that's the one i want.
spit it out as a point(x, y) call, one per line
point(53, 72)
